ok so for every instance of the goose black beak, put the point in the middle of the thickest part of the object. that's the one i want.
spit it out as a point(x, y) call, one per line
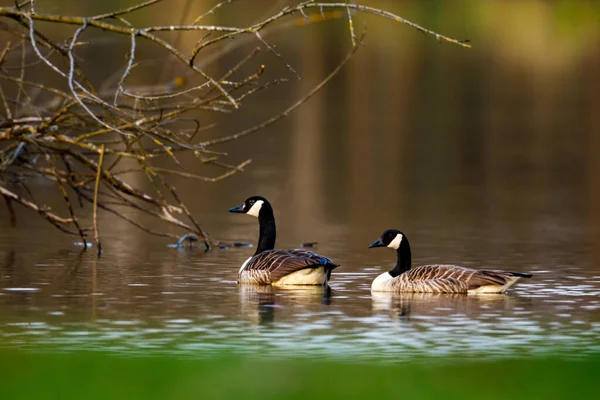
point(238, 209)
point(377, 243)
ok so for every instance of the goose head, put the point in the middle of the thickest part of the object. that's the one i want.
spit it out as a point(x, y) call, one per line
point(251, 206)
point(390, 238)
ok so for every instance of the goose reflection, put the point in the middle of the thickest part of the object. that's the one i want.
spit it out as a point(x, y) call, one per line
point(405, 305)
point(260, 304)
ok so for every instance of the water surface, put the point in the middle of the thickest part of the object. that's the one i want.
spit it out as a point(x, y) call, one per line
point(184, 301)
point(485, 158)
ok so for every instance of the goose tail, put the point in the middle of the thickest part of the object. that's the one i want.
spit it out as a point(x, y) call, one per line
point(510, 279)
point(521, 274)
point(327, 263)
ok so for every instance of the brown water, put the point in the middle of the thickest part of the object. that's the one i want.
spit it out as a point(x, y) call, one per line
point(483, 159)
point(141, 295)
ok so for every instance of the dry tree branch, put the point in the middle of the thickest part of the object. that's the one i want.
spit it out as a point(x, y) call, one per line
point(288, 110)
point(272, 50)
point(351, 24)
point(311, 4)
point(88, 141)
point(65, 195)
point(95, 208)
point(127, 10)
point(11, 211)
point(212, 10)
point(51, 217)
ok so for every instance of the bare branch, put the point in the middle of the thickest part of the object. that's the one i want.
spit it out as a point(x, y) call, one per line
point(272, 50)
point(95, 209)
point(53, 218)
point(124, 11)
point(82, 138)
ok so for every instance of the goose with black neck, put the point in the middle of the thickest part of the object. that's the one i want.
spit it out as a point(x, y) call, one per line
point(436, 278)
point(270, 266)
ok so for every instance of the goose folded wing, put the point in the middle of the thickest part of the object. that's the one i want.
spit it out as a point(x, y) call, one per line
point(316, 258)
point(280, 263)
point(487, 278)
point(473, 278)
point(435, 272)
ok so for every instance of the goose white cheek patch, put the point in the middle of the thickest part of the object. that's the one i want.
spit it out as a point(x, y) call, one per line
point(255, 209)
point(395, 244)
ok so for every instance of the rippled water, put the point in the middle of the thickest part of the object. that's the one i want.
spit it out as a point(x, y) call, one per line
point(480, 160)
point(187, 302)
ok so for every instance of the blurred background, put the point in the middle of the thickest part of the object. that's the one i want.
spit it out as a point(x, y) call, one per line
point(486, 157)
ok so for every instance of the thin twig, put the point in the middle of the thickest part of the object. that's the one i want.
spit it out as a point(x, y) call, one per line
point(98, 175)
point(53, 218)
point(288, 110)
point(124, 11)
point(67, 201)
point(277, 54)
point(11, 211)
point(351, 25)
point(212, 10)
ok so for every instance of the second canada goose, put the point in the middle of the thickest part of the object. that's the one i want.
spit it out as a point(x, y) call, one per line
point(436, 278)
point(269, 266)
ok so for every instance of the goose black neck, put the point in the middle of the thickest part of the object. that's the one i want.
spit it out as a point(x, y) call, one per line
point(403, 263)
point(267, 231)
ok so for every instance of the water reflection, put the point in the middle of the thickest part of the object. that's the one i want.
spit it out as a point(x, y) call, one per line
point(405, 305)
point(260, 304)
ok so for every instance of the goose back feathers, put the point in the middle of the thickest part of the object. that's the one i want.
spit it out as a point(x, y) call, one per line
point(286, 267)
point(269, 266)
point(436, 278)
point(446, 279)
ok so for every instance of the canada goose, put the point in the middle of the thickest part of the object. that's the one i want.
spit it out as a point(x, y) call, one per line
point(279, 267)
point(436, 278)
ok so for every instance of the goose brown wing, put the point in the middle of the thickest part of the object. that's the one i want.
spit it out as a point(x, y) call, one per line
point(314, 257)
point(471, 277)
point(487, 277)
point(280, 263)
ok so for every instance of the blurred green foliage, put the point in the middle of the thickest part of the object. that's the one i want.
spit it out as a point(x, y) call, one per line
point(108, 376)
